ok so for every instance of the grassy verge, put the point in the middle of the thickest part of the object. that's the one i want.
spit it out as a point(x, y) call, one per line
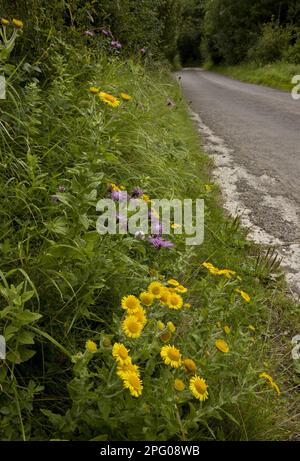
point(62, 284)
point(277, 75)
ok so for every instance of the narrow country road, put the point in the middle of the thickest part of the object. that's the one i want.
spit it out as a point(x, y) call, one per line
point(253, 135)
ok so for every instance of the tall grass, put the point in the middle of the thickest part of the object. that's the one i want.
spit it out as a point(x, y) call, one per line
point(276, 75)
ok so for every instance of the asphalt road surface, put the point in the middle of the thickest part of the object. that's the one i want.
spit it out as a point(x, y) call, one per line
point(253, 134)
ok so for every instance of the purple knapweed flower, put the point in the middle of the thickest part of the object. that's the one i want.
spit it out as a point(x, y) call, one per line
point(106, 32)
point(143, 50)
point(137, 192)
point(89, 33)
point(119, 195)
point(115, 44)
point(159, 242)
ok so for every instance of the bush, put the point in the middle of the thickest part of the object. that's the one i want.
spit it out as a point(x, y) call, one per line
point(292, 54)
point(271, 44)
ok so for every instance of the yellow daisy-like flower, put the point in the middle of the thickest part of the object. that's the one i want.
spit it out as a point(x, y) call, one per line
point(227, 329)
point(211, 268)
point(4, 21)
point(18, 23)
point(160, 325)
point(122, 370)
point(140, 315)
point(179, 385)
point(222, 345)
point(171, 327)
point(120, 354)
point(94, 89)
point(91, 346)
point(109, 99)
point(156, 289)
point(227, 272)
point(133, 382)
point(130, 303)
point(198, 388)
point(181, 289)
point(132, 327)
point(186, 305)
point(173, 282)
point(271, 382)
point(175, 301)
point(171, 356)
point(145, 197)
point(165, 337)
point(146, 298)
point(114, 186)
point(165, 295)
point(244, 295)
point(189, 365)
point(125, 96)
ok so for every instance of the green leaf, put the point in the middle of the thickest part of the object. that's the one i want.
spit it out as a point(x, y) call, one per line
point(27, 316)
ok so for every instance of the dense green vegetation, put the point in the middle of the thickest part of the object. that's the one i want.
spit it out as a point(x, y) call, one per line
point(233, 31)
point(276, 75)
point(62, 148)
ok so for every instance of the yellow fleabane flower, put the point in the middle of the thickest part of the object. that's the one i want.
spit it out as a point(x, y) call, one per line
point(132, 327)
point(160, 325)
point(156, 289)
point(271, 382)
point(125, 96)
point(211, 268)
point(181, 289)
point(130, 303)
point(189, 365)
point(198, 388)
point(125, 368)
point(91, 346)
point(222, 345)
point(171, 356)
point(227, 272)
point(94, 89)
point(140, 315)
point(109, 99)
point(227, 330)
point(171, 327)
point(133, 382)
point(121, 354)
point(244, 295)
point(18, 23)
point(179, 385)
point(173, 282)
point(175, 301)
point(4, 21)
point(165, 295)
point(146, 298)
